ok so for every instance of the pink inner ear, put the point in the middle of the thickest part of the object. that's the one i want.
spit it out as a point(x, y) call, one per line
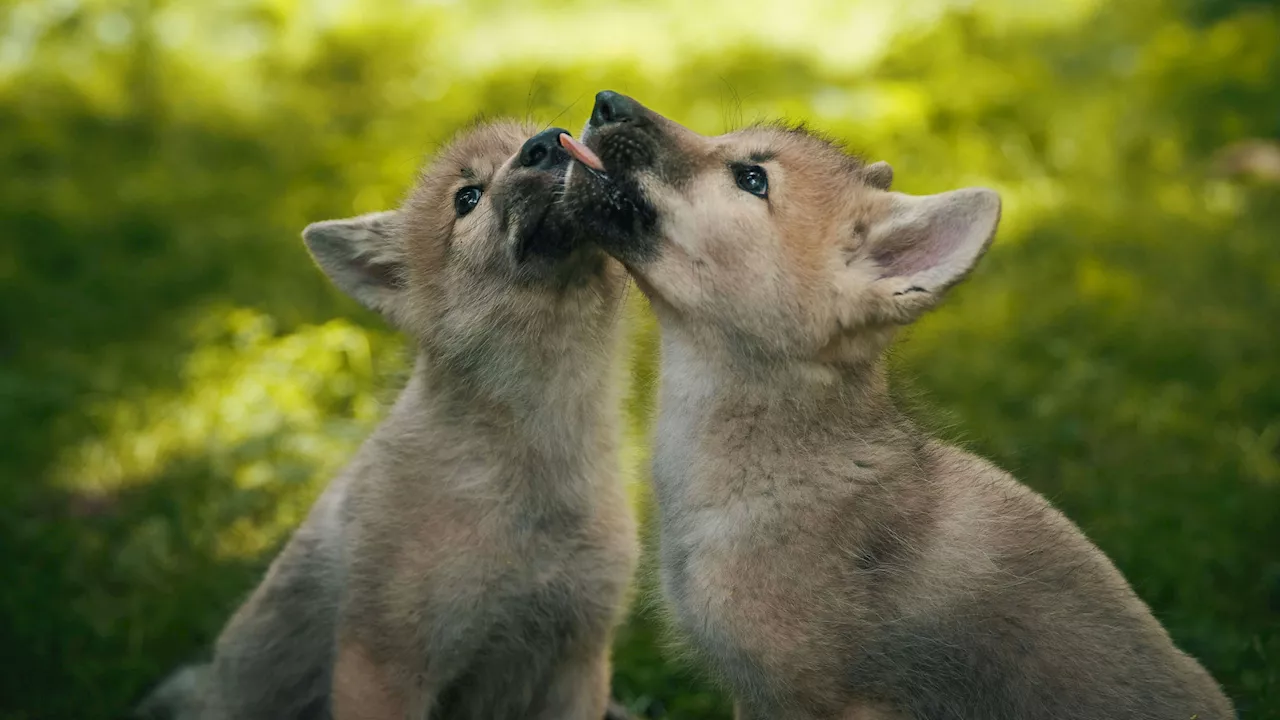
point(916, 249)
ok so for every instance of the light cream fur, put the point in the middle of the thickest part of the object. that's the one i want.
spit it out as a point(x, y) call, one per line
point(825, 557)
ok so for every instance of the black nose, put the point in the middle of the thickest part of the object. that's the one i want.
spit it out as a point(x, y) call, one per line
point(543, 151)
point(612, 108)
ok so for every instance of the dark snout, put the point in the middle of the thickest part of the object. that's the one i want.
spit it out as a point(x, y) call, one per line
point(543, 151)
point(612, 107)
point(627, 141)
point(527, 203)
point(615, 111)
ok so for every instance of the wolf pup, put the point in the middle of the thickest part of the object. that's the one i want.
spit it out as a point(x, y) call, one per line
point(826, 557)
point(473, 558)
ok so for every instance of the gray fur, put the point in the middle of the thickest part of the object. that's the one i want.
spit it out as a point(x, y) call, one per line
point(825, 557)
point(473, 558)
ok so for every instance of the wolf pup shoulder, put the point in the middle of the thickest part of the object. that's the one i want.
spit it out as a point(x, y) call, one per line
point(472, 560)
point(828, 559)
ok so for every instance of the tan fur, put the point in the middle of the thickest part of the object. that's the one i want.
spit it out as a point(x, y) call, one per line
point(362, 690)
point(827, 558)
point(472, 560)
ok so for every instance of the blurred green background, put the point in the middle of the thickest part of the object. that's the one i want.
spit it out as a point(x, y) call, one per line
point(177, 380)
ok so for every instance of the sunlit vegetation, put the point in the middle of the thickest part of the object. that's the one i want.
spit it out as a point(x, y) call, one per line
point(179, 381)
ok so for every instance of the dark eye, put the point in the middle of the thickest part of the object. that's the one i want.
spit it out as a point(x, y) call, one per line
point(466, 199)
point(753, 179)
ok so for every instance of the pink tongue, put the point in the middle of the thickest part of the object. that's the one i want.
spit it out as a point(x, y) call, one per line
point(581, 152)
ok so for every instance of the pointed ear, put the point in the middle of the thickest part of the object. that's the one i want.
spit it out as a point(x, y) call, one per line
point(363, 256)
point(878, 175)
point(924, 245)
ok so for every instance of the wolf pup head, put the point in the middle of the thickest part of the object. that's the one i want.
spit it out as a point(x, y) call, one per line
point(768, 242)
point(480, 253)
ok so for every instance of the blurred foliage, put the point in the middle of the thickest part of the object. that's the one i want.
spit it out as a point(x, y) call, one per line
point(175, 388)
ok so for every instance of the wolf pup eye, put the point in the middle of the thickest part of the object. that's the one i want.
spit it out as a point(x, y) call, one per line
point(753, 179)
point(466, 199)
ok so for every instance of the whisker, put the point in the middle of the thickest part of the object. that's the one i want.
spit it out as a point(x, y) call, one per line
point(562, 112)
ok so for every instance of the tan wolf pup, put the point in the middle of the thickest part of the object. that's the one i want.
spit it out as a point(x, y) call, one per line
point(473, 558)
point(827, 558)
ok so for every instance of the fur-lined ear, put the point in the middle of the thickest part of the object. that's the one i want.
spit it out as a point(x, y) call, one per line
point(878, 175)
point(924, 245)
point(363, 256)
